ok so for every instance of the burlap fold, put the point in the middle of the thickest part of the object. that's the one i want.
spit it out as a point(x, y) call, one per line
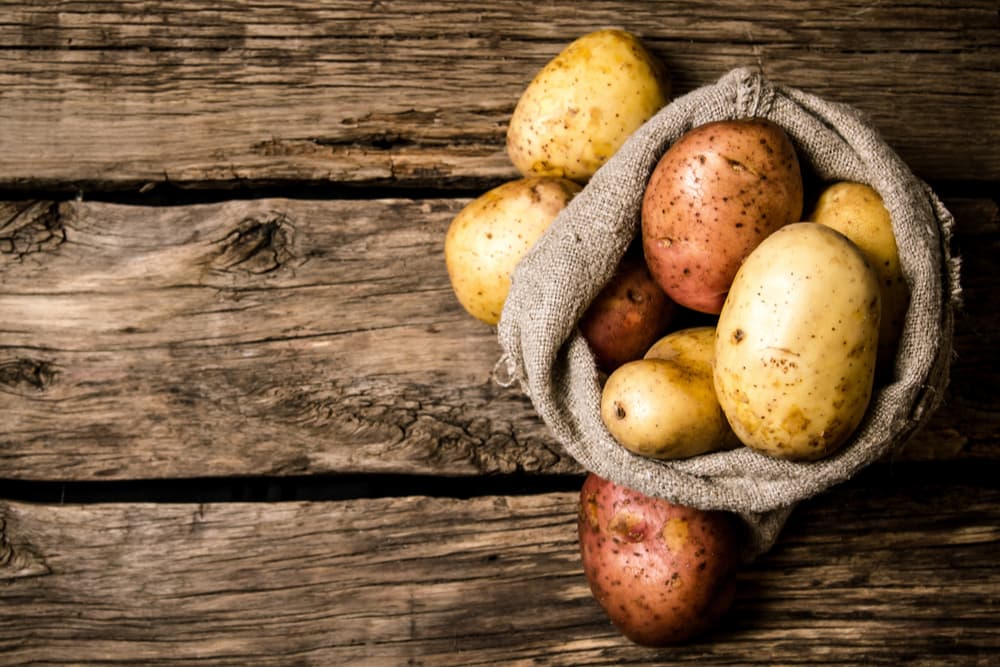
point(559, 277)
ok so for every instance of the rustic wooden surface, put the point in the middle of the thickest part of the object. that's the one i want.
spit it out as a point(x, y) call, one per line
point(251, 337)
point(221, 281)
point(99, 94)
point(896, 568)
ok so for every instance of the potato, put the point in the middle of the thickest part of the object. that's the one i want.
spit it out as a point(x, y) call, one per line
point(664, 405)
point(856, 211)
point(714, 195)
point(796, 342)
point(627, 316)
point(663, 573)
point(583, 104)
point(488, 237)
point(694, 347)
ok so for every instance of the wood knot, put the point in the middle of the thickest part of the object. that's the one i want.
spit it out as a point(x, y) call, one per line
point(256, 246)
point(18, 561)
point(28, 227)
point(27, 374)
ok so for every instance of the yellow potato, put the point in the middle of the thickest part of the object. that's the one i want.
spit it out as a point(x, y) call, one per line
point(488, 237)
point(796, 342)
point(693, 347)
point(664, 405)
point(856, 211)
point(580, 108)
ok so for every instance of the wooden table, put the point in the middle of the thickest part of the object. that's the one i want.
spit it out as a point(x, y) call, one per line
point(243, 419)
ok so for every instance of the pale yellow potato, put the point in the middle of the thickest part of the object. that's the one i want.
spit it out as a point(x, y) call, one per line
point(488, 237)
point(694, 347)
point(664, 405)
point(583, 104)
point(856, 211)
point(796, 343)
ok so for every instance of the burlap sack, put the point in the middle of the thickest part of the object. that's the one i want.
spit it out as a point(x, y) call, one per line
point(563, 272)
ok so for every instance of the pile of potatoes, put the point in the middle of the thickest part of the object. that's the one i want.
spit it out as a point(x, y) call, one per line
point(734, 320)
point(789, 363)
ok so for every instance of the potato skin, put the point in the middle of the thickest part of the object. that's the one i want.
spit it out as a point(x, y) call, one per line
point(856, 211)
point(627, 316)
point(664, 405)
point(663, 573)
point(581, 106)
point(488, 237)
point(714, 195)
point(796, 343)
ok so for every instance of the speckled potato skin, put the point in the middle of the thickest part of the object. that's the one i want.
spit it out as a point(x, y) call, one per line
point(488, 237)
point(796, 343)
point(856, 211)
point(627, 316)
point(695, 346)
point(692, 352)
point(663, 573)
point(583, 104)
point(714, 195)
point(664, 405)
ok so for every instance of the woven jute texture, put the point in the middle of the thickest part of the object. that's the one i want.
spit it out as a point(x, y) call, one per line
point(559, 277)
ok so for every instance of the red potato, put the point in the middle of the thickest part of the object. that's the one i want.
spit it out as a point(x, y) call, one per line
point(663, 573)
point(713, 197)
point(627, 316)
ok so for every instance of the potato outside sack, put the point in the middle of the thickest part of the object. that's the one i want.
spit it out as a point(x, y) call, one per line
point(583, 104)
point(715, 194)
point(488, 237)
point(796, 343)
point(663, 573)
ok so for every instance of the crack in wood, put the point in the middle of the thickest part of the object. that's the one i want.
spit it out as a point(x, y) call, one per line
point(408, 427)
point(28, 227)
point(387, 132)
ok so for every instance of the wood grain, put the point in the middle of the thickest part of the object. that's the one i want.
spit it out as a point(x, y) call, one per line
point(302, 336)
point(127, 95)
point(894, 568)
point(287, 337)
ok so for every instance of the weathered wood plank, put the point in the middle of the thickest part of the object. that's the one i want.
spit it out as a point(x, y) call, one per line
point(128, 95)
point(274, 337)
point(297, 337)
point(897, 567)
